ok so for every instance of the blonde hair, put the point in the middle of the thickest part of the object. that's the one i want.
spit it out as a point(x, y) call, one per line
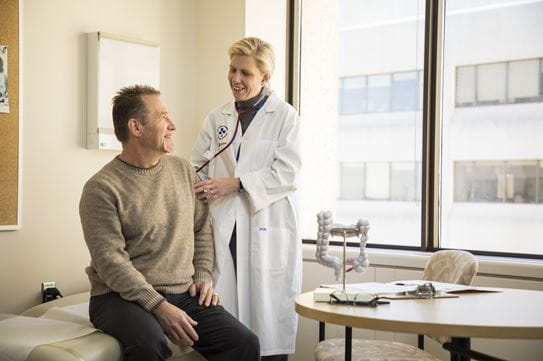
point(258, 49)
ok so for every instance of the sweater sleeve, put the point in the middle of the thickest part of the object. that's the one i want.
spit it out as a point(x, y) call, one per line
point(103, 234)
point(204, 249)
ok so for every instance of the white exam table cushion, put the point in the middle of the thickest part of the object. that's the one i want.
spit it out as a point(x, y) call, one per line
point(16, 342)
point(94, 347)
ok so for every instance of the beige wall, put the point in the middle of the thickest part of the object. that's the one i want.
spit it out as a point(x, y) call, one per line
point(221, 22)
point(194, 36)
point(50, 245)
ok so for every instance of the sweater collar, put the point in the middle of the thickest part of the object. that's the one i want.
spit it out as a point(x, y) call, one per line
point(132, 168)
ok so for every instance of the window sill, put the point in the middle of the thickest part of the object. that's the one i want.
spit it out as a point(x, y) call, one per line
point(488, 266)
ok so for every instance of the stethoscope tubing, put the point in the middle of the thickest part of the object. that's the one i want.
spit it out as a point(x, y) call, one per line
point(257, 107)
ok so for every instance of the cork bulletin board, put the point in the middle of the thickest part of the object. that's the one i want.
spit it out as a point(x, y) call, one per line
point(10, 117)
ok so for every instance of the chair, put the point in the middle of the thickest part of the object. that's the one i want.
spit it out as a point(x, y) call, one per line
point(449, 266)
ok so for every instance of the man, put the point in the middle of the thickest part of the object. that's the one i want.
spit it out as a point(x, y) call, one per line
point(151, 244)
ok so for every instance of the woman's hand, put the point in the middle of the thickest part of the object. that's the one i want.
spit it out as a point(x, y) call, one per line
point(213, 188)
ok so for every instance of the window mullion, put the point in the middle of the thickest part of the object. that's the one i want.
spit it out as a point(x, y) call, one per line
point(431, 147)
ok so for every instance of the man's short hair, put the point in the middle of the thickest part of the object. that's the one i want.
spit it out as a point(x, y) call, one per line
point(127, 104)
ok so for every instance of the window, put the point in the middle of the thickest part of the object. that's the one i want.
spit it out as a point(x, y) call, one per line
point(523, 82)
point(378, 69)
point(379, 93)
point(465, 85)
point(353, 95)
point(352, 181)
point(404, 179)
point(509, 82)
point(491, 155)
point(377, 180)
point(404, 91)
point(513, 181)
point(394, 181)
point(491, 83)
point(479, 150)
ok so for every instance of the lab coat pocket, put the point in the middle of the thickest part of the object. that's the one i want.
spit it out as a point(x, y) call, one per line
point(262, 155)
point(269, 251)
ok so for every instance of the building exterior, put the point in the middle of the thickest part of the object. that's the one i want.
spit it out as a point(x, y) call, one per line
point(492, 126)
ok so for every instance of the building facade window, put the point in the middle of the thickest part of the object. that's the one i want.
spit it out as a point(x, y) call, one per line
point(510, 82)
point(396, 92)
point(352, 95)
point(391, 181)
point(352, 181)
point(499, 181)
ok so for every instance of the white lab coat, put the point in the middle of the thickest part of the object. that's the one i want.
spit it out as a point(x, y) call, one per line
point(269, 251)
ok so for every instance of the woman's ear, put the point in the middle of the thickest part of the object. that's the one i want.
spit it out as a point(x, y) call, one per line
point(266, 79)
point(134, 127)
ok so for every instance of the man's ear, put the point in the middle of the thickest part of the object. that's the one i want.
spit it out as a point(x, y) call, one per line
point(134, 127)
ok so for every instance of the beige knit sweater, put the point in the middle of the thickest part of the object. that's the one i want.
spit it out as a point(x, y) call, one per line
point(146, 231)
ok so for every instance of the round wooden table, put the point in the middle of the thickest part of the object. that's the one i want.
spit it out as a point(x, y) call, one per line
point(508, 313)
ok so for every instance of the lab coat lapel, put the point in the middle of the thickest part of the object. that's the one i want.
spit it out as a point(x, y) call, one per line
point(253, 132)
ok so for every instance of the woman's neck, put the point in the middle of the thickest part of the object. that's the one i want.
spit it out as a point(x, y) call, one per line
point(245, 104)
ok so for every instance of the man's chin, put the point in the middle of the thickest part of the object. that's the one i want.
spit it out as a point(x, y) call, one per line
point(168, 146)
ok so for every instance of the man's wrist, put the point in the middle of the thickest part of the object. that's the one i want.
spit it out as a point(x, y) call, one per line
point(157, 306)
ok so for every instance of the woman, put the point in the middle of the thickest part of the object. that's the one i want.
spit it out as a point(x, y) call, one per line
point(249, 161)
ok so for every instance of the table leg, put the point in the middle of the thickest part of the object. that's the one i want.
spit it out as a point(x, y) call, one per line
point(462, 343)
point(321, 331)
point(348, 343)
point(460, 349)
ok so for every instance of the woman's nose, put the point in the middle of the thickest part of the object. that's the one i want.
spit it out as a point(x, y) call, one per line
point(235, 78)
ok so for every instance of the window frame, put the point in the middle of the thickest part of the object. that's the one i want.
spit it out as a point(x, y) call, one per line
point(432, 119)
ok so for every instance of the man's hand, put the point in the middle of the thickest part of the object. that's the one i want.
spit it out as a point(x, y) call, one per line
point(177, 325)
point(207, 294)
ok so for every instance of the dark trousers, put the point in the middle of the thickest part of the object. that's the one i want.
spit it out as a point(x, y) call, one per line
point(221, 336)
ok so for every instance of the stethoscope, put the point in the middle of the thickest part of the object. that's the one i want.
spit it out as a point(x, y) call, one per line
point(256, 108)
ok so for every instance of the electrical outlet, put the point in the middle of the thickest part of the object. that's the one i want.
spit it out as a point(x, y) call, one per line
point(46, 285)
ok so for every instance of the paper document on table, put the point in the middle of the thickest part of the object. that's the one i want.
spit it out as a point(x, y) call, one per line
point(375, 288)
point(323, 295)
point(444, 287)
point(396, 287)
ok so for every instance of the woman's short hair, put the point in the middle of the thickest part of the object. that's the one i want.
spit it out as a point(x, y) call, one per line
point(258, 49)
point(127, 104)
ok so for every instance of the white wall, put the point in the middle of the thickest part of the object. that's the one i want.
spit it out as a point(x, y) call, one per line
point(50, 245)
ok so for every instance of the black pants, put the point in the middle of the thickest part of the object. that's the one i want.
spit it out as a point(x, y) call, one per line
point(221, 336)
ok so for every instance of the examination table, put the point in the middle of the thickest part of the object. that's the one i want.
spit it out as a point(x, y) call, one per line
point(95, 346)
